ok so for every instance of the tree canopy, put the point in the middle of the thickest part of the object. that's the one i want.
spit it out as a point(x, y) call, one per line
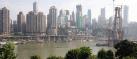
point(80, 53)
point(55, 57)
point(35, 57)
point(125, 48)
point(102, 54)
point(7, 51)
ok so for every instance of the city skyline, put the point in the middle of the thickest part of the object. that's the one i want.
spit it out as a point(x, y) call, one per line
point(43, 6)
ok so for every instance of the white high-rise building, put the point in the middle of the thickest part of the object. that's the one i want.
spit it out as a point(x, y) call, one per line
point(5, 21)
point(35, 21)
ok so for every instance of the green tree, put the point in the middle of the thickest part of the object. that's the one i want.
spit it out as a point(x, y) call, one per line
point(85, 52)
point(35, 57)
point(110, 54)
point(72, 54)
point(126, 48)
point(7, 51)
point(102, 54)
point(80, 53)
point(54, 57)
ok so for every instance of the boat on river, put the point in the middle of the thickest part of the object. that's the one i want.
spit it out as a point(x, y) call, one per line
point(99, 44)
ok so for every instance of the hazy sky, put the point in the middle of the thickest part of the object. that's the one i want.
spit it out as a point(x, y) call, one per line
point(26, 5)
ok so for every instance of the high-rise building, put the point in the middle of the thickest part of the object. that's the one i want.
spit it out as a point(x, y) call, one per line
point(64, 18)
point(61, 18)
point(36, 21)
point(21, 23)
point(67, 12)
point(14, 26)
point(94, 27)
point(35, 7)
point(79, 17)
point(41, 23)
point(89, 20)
point(29, 22)
point(102, 19)
point(5, 21)
point(125, 16)
point(52, 20)
point(89, 14)
point(85, 22)
point(103, 13)
point(110, 23)
point(72, 19)
point(67, 18)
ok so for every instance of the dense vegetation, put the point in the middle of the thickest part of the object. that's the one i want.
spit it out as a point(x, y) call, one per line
point(35, 57)
point(80, 53)
point(123, 50)
point(126, 48)
point(7, 51)
point(102, 54)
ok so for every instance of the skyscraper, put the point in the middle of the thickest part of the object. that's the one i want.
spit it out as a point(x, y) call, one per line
point(14, 26)
point(67, 18)
point(89, 14)
point(79, 17)
point(29, 22)
point(36, 21)
point(21, 22)
point(61, 18)
point(102, 19)
point(41, 23)
point(125, 16)
point(51, 22)
point(89, 19)
point(94, 27)
point(85, 22)
point(72, 19)
point(35, 7)
point(5, 21)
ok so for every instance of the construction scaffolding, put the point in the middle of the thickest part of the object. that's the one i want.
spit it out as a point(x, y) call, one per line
point(116, 33)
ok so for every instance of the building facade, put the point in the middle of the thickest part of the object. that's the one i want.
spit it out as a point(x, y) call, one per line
point(72, 19)
point(5, 21)
point(35, 22)
point(21, 23)
point(52, 21)
point(102, 19)
point(79, 17)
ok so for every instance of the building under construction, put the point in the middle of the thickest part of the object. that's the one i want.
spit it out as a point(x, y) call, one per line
point(116, 33)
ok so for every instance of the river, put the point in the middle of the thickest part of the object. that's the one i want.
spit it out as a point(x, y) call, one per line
point(24, 51)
